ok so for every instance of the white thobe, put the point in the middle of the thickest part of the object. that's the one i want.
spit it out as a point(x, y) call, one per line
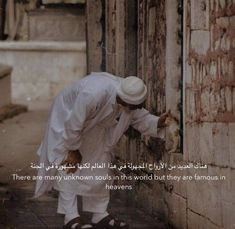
point(83, 117)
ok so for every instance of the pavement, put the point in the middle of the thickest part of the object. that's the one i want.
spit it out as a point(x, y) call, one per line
point(20, 137)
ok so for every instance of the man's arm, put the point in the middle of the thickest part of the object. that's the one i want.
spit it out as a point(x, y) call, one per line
point(148, 124)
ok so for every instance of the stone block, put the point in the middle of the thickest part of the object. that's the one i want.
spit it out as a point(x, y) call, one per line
point(221, 144)
point(222, 22)
point(213, 209)
point(195, 221)
point(205, 103)
point(57, 25)
point(228, 98)
point(232, 144)
point(193, 141)
point(197, 192)
point(200, 41)
point(145, 197)
point(211, 225)
point(228, 211)
point(232, 20)
point(158, 200)
point(179, 187)
point(222, 3)
point(41, 69)
point(190, 105)
point(176, 210)
point(206, 143)
point(228, 185)
point(214, 103)
point(200, 14)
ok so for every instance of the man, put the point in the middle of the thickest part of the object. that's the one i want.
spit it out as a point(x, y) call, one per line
point(86, 121)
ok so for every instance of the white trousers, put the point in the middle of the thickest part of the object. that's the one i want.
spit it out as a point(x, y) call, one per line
point(67, 204)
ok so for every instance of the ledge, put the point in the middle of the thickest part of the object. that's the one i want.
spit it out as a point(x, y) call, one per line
point(11, 110)
point(4, 70)
point(42, 46)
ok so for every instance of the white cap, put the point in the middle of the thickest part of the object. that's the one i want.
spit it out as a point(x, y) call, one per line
point(132, 90)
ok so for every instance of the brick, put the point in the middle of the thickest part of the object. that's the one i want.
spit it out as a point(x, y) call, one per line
point(214, 103)
point(230, 71)
point(188, 73)
point(222, 22)
point(232, 20)
point(213, 68)
point(222, 100)
point(205, 102)
point(200, 14)
point(224, 43)
point(200, 41)
point(222, 3)
point(221, 144)
point(228, 211)
point(228, 98)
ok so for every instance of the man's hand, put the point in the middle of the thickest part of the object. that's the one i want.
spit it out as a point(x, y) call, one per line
point(74, 157)
point(162, 119)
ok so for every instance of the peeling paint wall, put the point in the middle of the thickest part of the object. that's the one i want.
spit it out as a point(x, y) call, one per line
point(208, 105)
point(210, 109)
point(151, 67)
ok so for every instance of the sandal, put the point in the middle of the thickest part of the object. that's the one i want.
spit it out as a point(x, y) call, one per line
point(110, 222)
point(72, 223)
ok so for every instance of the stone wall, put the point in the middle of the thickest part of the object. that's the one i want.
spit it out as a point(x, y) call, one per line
point(210, 110)
point(42, 69)
point(56, 25)
point(208, 103)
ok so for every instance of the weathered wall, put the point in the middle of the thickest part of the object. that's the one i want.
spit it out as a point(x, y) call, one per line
point(146, 59)
point(210, 109)
point(209, 133)
point(208, 104)
point(56, 25)
point(95, 35)
point(42, 69)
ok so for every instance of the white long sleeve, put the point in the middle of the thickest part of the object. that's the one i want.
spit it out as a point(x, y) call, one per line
point(85, 106)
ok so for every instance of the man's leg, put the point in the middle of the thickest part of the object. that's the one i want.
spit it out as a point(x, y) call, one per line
point(96, 205)
point(67, 205)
